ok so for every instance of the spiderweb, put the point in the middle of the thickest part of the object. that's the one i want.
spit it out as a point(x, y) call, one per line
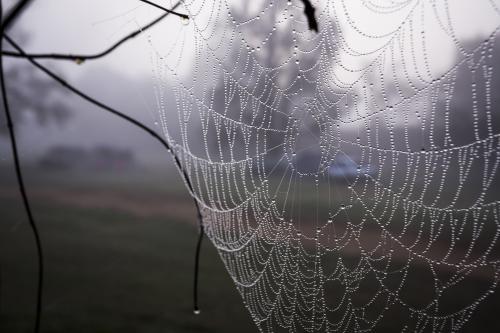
point(348, 179)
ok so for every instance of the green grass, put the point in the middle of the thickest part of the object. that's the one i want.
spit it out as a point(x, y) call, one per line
point(110, 271)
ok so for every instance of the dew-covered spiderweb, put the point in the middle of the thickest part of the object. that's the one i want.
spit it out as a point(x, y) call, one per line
point(349, 178)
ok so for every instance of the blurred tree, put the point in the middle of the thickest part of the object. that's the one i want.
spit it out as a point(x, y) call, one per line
point(30, 93)
point(280, 57)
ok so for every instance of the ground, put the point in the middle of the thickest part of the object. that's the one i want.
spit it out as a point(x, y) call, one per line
point(119, 253)
point(110, 266)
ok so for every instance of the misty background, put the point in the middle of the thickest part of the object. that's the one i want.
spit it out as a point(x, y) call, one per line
point(119, 225)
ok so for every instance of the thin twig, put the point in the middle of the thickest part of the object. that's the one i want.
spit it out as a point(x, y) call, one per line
point(196, 308)
point(309, 13)
point(101, 105)
point(20, 6)
point(184, 16)
point(82, 57)
point(13, 14)
point(141, 126)
point(22, 188)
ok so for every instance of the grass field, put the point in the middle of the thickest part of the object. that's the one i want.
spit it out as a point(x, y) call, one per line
point(119, 255)
point(109, 268)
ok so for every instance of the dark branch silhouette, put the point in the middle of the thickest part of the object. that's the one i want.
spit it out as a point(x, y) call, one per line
point(10, 18)
point(184, 16)
point(100, 105)
point(196, 309)
point(19, 175)
point(13, 14)
point(309, 12)
point(135, 122)
point(79, 58)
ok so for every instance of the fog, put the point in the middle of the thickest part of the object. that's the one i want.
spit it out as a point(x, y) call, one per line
point(125, 78)
point(342, 177)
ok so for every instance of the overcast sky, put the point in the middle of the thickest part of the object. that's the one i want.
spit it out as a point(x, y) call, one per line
point(124, 78)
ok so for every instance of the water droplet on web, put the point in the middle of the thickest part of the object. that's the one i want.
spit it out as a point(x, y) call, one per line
point(239, 154)
point(185, 20)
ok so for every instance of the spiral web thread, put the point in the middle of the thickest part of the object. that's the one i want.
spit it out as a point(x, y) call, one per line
point(348, 179)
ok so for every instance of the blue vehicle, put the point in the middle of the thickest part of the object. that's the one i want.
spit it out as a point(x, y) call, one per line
point(344, 167)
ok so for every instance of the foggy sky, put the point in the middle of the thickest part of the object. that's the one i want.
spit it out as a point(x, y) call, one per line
point(124, 78)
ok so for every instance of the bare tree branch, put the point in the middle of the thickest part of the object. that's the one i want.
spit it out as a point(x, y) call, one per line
point(143, 127)
point(19, 174)
point(21, 5)
point(79, 58)
point(184, 16)
point(13, 14)
point(309, 12)
point(103, 106)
